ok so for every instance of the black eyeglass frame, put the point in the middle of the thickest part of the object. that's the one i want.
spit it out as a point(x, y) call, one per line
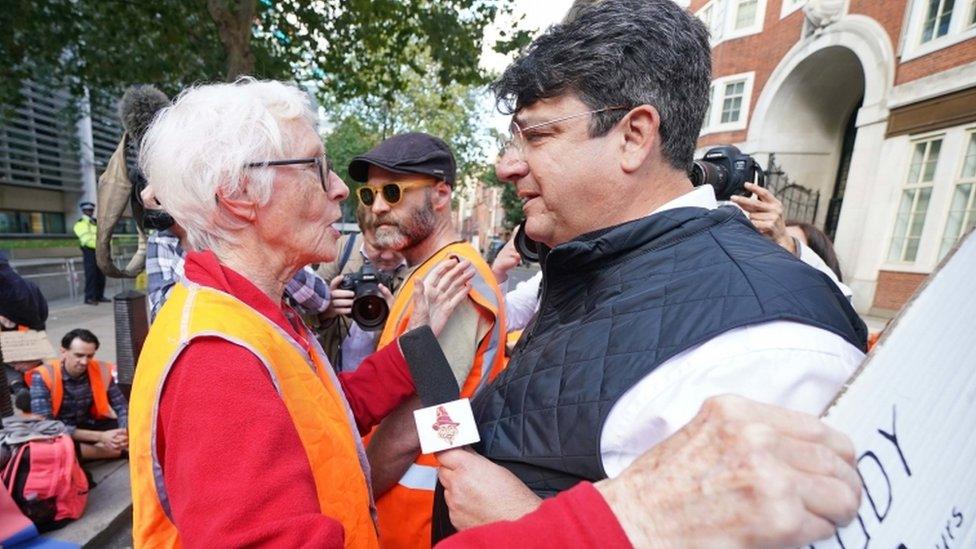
point(317, 160)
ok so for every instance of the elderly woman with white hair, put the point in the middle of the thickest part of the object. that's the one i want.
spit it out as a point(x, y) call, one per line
point(241, 431)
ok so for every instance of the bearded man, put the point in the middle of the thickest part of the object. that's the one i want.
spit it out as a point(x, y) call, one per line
point(409, 182)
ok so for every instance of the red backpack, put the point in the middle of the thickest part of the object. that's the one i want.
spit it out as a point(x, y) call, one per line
point(47, 482)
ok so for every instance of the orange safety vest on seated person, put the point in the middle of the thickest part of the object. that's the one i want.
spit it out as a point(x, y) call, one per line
point(305, 383)
point(99, 378)
point(405, 511)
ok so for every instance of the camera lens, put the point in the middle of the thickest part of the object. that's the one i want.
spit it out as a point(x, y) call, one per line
point(370, 311)
point(707, 173)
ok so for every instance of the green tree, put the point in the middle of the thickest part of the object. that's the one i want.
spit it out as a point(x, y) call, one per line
point(345, 48)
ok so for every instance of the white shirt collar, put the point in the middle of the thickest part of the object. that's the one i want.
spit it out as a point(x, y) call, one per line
point(700, 197)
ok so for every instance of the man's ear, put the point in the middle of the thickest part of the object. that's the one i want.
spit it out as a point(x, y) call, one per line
point(441, 195)
point(641, 137)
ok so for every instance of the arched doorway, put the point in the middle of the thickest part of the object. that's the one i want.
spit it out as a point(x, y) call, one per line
point(823, 112)
point(807, 123)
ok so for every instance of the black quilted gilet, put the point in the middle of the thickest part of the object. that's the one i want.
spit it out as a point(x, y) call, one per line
point(616, 304)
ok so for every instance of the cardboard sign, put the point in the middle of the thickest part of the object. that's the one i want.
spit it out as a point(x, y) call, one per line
point(20, 346)
point(445, 426)
point(911, 411)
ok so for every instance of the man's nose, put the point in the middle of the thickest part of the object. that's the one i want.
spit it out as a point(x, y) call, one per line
point(510, 166)
point(379, 206)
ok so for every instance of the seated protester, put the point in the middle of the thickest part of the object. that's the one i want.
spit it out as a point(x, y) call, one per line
point(80, 392)
point(345, 342)
point(765, 212)
point(166, 254)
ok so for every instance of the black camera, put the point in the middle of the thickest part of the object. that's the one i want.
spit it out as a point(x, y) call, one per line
point(728, 170)
point(530, 250)
point(369, 309)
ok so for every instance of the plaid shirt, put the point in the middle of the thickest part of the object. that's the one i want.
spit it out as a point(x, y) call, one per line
point(164, 268)
point(77, 400)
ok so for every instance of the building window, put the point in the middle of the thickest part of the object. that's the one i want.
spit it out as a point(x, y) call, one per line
point(19, 222)
point(729, 19)
point(938, 15)
point(914, 205)
point(937, 24)
point(962, 211)
point(728, 108)
point(745, 14)
point(732, 102)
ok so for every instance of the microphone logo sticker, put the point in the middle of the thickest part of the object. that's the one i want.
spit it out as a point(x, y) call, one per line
point(446, 427)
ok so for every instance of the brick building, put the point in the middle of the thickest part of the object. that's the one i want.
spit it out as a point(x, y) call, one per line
point(871, 103)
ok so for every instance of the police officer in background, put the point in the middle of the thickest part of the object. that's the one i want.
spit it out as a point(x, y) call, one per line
point(87, 231)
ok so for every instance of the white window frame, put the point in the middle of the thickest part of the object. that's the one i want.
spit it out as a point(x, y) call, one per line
point(723, 20)
point(919, 185)
point(717, 99)
point(959, 29)
point(790, 6)
point(969, 136)
point(731, 11)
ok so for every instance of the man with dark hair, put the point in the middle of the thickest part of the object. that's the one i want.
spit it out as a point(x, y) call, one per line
point(654, 298)
point(80, 392)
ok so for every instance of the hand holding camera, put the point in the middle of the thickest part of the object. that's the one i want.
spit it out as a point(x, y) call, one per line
point(766, 213)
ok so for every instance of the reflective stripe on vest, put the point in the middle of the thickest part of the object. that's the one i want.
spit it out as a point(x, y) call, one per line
point(302, 378)
point(99, 378)
point(405, 510)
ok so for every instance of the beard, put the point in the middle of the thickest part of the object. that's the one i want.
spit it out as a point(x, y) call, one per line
point(401, 234)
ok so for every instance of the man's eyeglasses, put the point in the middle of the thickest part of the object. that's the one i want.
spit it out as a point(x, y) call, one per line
point(322, 164)
point(518, 134)
point(392, 192)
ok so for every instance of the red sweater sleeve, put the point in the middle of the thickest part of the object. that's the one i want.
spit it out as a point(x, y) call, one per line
point(579, 517)
point(222, 425)
point(378, 386)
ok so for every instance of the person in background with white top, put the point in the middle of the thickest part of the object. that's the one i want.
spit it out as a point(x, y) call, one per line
point(654, 298)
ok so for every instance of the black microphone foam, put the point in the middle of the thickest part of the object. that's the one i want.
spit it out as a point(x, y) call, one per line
point(431, 372)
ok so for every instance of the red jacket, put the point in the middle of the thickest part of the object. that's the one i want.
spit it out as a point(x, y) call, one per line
point(222, 426)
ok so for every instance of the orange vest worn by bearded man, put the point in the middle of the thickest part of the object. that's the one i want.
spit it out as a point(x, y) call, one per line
point(309, 391)
point(405, 511)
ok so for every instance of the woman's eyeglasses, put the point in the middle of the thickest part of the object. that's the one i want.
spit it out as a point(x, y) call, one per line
point(391, 192)
point(320, 162)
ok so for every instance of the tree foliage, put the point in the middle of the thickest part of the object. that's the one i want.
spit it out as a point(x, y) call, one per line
point(342, 48)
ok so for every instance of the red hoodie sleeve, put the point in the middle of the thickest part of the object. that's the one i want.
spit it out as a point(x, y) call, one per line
point(579, 517)
point(222, 425)
point(378, 386)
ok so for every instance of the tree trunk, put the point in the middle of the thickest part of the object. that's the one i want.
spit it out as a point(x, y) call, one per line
point(234, 19)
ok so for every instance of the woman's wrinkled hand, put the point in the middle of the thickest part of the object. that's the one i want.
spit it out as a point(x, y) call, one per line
point(437, 295)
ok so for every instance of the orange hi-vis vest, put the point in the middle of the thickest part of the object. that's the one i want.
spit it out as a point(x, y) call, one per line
point(99, 378)
point(405, 511)
point(305, 383)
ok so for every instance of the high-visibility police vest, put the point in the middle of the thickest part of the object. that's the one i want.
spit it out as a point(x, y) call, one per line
point(99, 378)
point(87, 232)
point(405, 511)
point(305, 383)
